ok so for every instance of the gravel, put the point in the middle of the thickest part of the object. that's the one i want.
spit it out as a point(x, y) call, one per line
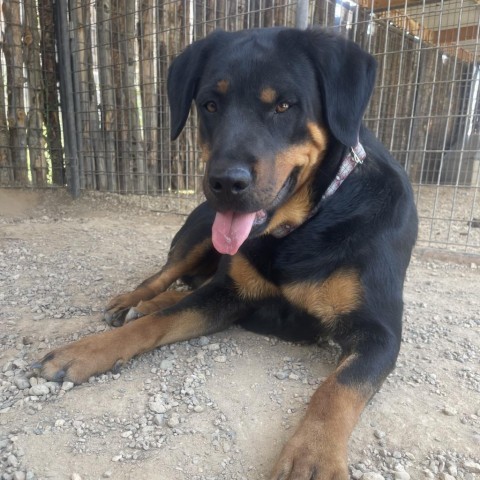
point(217, 407)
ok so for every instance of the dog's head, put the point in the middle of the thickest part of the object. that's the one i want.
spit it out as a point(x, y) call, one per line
point(269, 102)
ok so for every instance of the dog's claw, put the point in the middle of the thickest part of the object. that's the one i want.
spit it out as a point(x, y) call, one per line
point(118, 366)
point(59, 376)
point(133, 314)
point(115, 318)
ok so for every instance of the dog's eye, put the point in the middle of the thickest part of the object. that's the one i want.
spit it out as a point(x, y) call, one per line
point(282, 107)
point(211, 107)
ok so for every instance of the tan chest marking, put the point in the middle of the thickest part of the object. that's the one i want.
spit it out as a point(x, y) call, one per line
point(339, 294)
point(249, 284)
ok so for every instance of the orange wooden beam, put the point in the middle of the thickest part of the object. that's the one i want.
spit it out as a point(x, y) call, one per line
point(454, 35)
point(382, 5)
point(444, 41)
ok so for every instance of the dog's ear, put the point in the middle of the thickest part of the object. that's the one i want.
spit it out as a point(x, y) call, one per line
point(183, 76)
point(346, 75)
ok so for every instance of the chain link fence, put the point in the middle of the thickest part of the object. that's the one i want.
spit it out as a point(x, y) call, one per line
point(83, 95)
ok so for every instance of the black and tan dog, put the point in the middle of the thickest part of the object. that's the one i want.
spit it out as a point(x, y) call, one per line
point(307, 231)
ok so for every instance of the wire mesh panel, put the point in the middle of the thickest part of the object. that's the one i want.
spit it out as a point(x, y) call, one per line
point(121, 51)
point(426, 104)
point(107, 60)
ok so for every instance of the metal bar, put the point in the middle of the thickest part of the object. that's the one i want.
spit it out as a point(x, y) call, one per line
point(66, 97)
point(301, 17)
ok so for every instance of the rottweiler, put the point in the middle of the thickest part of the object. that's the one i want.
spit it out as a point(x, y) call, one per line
point(306, 232)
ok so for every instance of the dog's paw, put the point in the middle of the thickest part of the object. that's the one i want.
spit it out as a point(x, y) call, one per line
point(78, 361)
point(309, 455)
point(116, 311)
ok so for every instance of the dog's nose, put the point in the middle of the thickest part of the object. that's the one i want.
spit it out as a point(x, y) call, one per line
point(230, 182)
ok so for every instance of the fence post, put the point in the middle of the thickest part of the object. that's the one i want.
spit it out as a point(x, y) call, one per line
point(301, 17)
point(67, 99)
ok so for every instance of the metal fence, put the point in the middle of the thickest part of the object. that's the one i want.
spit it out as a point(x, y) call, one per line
point(83, 94)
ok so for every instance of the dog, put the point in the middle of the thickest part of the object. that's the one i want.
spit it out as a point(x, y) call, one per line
point(306, 233)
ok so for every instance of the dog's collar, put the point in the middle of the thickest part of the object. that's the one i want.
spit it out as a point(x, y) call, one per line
point(355, 156)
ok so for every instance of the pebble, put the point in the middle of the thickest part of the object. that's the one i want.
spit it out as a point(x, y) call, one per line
point(173, 421)
point(75, 476)
point(450, 411)
point(446, 476)
point(202, 341)
point(166, 364)
point(471, 466)
point(372, 476)
point(157, 407)
point(12, 460)
point(39, 390)
point(21, 383)
point(66, 386)
point(220, 358)
point(402, 475)
point(19, 475)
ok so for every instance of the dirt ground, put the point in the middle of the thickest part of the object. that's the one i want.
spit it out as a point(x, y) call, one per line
point(218, 407)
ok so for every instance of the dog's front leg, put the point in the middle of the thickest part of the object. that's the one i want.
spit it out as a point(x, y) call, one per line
point(318, 449)
point(206, 310)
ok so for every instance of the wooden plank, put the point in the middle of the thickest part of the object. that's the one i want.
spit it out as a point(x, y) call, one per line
point(455, 35)
point(382, 5)
point(408, 24)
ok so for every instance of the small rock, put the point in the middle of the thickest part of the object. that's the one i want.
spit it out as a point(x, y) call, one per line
point(21, 383)
point(39, 390)
point(402, 475)
point(372, 476)
point(12, 460)
point(157, 407)
point(107, 474)
point(281, 375)
point(159, 420)
point(446, 476)
point(173, 421)
point(19, 363)
point(356, 474)
point(19, 475)
point(220, 358)
point(60, 422)
point(66, 386)
point(198, 409)
point(449, 411)
point(379, 434)
point(52, 386)
point(471, 466)
point(75, 476)
point(166, 364)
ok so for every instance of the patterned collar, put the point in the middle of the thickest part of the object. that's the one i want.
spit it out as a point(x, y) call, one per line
point(355, 156)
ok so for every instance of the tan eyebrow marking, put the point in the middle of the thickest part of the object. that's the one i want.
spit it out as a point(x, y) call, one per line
point(268, 95)
point(222, 86)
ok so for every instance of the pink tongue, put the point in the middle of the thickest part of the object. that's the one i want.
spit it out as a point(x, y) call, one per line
point(230, 230)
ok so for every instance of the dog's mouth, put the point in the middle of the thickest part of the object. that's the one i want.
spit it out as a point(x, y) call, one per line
point(230, 229)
